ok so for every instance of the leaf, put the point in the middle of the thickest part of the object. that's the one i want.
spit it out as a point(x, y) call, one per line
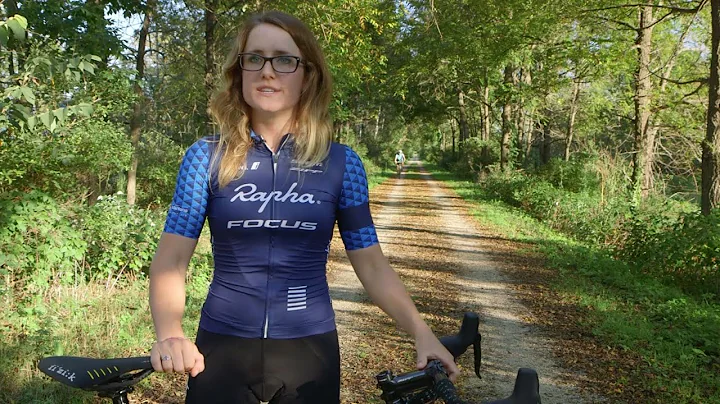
point(16, 28)
point(21, 20)
point(45, 118)
point(61, 114)
point(85, 109)
point(4, 36)
point(95, 58)
point(14, 92)
point(28, 94)
point(31, 121)
point(24, 110)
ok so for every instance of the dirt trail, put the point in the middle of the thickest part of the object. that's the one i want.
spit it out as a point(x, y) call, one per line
point(449, 266)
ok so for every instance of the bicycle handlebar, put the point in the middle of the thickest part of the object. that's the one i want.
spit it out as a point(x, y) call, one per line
point(432, 383)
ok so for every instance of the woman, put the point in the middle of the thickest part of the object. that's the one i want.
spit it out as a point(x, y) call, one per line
point(272, 185)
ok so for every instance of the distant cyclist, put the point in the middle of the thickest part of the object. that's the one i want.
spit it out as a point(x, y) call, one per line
point(399, 160)
point(272, 185)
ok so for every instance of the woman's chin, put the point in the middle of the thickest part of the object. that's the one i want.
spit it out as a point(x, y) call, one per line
point(270, 110)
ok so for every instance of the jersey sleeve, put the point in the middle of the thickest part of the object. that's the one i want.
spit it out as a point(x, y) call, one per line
point(354, 220)
point(186, 215)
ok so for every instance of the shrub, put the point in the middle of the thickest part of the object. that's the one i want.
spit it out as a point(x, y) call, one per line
point(121, 238)
point(38, 243)
point(576, 175)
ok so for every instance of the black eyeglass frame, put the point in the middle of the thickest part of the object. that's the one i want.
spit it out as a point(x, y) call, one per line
point(269, 59)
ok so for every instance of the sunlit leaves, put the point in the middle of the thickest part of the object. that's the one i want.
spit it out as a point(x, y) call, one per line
point(15, 26)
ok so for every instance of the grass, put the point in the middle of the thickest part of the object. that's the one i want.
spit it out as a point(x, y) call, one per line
point(675, 334)
point(92, 321)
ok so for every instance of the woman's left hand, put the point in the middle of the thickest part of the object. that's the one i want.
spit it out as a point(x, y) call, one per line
point(428, 347)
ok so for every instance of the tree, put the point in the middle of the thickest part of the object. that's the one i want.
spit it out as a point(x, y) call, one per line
point(137, 119)
point(711, 145)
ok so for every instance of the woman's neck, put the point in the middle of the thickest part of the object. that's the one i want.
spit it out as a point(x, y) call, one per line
point(272, 130)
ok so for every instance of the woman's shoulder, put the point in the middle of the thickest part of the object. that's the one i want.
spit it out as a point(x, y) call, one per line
point(205, 144)
point(336, 147)
point(351, 160)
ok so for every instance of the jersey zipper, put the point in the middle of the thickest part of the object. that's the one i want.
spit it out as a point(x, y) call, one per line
point(274, 158)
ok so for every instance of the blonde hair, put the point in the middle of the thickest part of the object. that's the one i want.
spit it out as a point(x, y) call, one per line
point(312, 125)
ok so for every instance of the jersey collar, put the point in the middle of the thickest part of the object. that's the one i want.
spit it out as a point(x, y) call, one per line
point(258, 141)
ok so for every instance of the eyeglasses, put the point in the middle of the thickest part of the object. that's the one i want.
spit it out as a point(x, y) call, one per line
point(282, 64)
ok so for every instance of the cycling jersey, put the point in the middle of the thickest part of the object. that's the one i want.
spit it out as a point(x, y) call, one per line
point(270, 232)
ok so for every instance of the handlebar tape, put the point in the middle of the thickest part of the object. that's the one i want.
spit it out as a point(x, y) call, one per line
point(446, 391)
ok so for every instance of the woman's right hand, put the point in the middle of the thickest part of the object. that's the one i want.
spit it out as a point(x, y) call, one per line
point(177, 354)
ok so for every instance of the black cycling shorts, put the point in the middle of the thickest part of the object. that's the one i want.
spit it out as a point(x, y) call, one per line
point(279, 371)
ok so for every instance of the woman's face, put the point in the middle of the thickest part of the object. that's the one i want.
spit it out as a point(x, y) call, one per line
point(271, 94)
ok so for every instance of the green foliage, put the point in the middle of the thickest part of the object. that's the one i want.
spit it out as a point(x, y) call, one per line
point(681, 248)
point(15, 25)
point(121, 239)
point(576, 175)
point(160, 159)
point(44, 242)
point(37, 102)
point(38, 244)
point(666, 239)
point(73, 163)
point(97, 152)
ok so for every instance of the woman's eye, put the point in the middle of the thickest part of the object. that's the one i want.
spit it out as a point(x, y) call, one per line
point(285, 60)
point(254, 59)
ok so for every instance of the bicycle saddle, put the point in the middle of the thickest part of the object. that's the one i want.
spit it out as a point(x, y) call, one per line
point(96, 374)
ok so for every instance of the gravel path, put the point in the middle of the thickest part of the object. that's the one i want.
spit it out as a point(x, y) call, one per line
point(449, 267)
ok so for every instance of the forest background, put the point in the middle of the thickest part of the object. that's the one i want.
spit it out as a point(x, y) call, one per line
point(598, 118)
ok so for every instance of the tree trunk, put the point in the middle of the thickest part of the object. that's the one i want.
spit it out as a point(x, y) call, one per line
point(525, 119)
point(452, 127)
point(377, 123)
point(546, 138)
point(641, 179)
point(506, 120)
point(137, 118)
point(485, 111)
point(463, 121)
point(571, 119)
point(711, 147)
point(485, 120)
point(528, 142)
point(210, 24)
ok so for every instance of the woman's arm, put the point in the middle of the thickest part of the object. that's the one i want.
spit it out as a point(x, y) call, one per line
point(387, 291)
point(167, 284)
point(167, 306)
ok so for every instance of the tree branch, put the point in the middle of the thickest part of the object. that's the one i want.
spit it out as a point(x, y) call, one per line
point(701, 81)
point(672, 9)
point(620, 23)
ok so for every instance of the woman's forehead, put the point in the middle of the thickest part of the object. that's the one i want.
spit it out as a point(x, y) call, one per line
point(270, 40)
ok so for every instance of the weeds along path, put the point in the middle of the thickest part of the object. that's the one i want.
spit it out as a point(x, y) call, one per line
point(449, 266)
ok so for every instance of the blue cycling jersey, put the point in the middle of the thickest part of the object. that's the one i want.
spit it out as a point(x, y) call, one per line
point(270, 231)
